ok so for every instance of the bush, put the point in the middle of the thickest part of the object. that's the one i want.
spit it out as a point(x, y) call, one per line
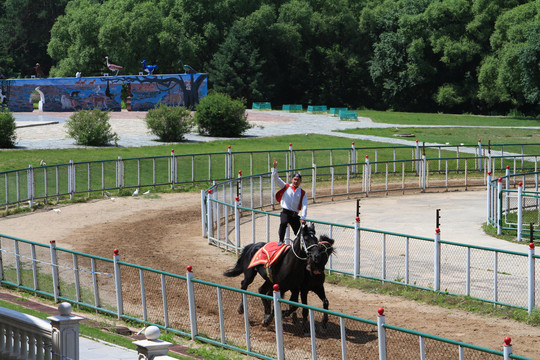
point(219, 115)
point(169, 123)
point(91, 128)
point(8, 135)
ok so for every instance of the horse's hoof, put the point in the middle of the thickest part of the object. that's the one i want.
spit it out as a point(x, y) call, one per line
point(241, 309)
point(267, 320)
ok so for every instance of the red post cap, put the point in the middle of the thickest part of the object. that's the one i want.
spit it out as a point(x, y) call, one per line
point(229, 146)
point(172, 150)
point(357, 219)
point(479, 140)
point(531, 245)
point(189, 268)
point(52, 241)
point(507, 167)
point(210, 191)
point(240, 172)
point(499, 180)
point(520, 184)
point(237, 198)
point(367, 156)
point(417, 141)
point(437, 231)
point(507, 341)
point(353, 143)
point(276, 287)
point(489, 173)
point(116, 252)
point(381, 311)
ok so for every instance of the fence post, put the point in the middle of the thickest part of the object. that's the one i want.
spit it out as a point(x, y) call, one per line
point(172, 167)
point(118, 284)
point(291, 159)
point(356, 246)
point(71, 185)
point(239, 188)
point(437, 260)
point(353, 158)
point(191, 302)
point(416, 157)
point(278, 324)
point(209, 222)
point(507, 185)
point(367, 175)
point(499, 206)
point(314, 183)
point(236, 225)
point(30, 184)
point(424, 169)
point(480, 156)
point(531, 277)
point(203, 213)
point(520, 211)
point(65, 333)
point(507, 348)
point(382, 334)
point(54, 268)
point(489, 192)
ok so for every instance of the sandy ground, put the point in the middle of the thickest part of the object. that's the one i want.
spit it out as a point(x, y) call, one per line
point(164, 232)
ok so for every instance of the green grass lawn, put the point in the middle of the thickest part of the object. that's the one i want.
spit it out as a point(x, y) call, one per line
point(457, 136)
point(390, 117)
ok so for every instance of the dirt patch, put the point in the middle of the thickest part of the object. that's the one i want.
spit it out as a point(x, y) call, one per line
point(164, 232)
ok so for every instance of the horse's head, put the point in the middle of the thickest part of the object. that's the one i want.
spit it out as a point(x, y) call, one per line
point(320, 254)
point(308, 237)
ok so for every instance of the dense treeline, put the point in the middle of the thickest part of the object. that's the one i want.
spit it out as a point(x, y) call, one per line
point(479, 56)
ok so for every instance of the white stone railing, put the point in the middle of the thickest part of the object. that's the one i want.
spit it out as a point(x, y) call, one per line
point(25, 336)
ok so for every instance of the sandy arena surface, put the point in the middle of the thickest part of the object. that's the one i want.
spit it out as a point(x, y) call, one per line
point(164, 232)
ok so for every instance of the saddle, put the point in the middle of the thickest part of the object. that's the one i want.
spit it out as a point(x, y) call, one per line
point(268, 254)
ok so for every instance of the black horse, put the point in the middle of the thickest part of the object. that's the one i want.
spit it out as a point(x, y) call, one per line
point(314, 278)
point(288, 271)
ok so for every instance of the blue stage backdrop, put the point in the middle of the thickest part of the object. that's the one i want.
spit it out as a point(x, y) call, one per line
point(104, 92)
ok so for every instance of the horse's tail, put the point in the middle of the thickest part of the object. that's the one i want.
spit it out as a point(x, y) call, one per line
point(243, 260)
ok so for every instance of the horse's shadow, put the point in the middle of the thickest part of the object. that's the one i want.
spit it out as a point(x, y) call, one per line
point(332, 331)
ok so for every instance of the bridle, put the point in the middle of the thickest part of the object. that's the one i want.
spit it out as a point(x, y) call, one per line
point(303, 245)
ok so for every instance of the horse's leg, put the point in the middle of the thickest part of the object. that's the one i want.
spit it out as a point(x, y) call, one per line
point(305, 312)
point(266, 289)
point(292, 309)
point(249, 276)
point(321, 294)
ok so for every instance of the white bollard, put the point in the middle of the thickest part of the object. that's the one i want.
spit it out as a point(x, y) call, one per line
point(382, 334)
point(152, 347)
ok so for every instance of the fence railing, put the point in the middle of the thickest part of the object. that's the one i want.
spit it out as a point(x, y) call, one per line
point(206, 311)
point(511, 207)
point(61, 181)
point(234, 217)
point(25, 336)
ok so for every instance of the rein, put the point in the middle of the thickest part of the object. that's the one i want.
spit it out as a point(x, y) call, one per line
point(302, 245)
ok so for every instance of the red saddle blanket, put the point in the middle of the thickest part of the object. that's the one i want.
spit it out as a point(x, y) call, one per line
point(268, 254)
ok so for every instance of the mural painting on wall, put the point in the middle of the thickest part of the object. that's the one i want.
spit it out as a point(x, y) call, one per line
point(81, 93)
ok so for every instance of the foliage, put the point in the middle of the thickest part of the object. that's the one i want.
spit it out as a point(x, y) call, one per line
point(91, 128)
point(8, 134)
point(219, 115)
point(169, 123)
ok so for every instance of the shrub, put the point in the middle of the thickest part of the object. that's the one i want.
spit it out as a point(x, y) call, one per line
point(91, 128)
point(8, 135)
point(219, 115)
point(169, 123)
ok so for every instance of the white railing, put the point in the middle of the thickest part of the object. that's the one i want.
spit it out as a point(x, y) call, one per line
point(25, 336)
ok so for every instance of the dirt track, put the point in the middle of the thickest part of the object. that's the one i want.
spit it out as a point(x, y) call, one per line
point(165, 233)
